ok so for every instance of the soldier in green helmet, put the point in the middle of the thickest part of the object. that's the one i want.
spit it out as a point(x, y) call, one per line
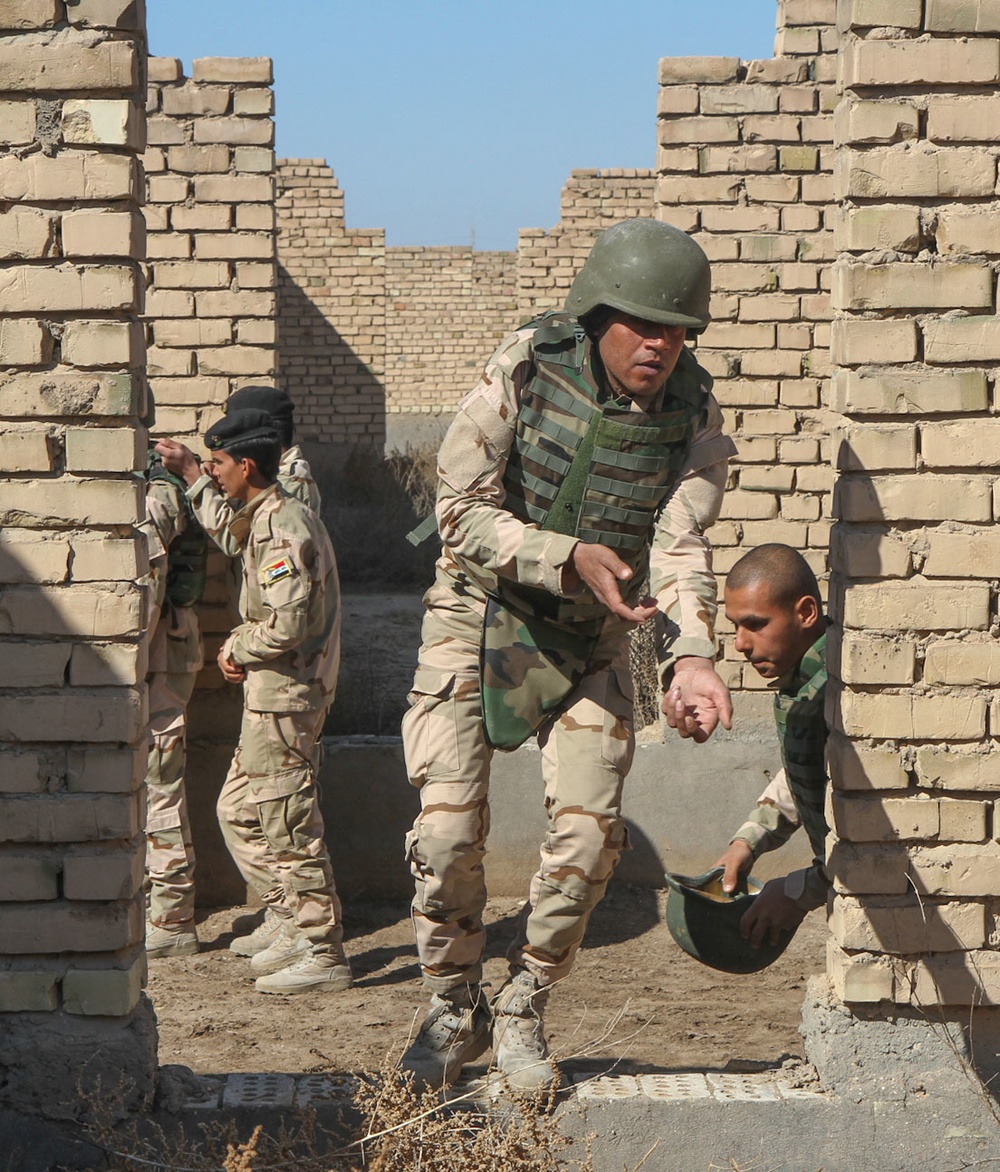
point(588, 460)
point(773, 601)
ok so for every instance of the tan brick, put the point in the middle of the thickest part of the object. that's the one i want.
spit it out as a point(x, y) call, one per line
point(29, 14)
point(23, 878)
point(52, 62)
point(962, 16)
point(198, 100)
point(764, 248)
point(70, 175)
point(960, 445)
point(770, 307)
point(254, 159)
point(28, 991)
point(970, 555)
point(256, 333)
point(192, 332)
point(198, 160)
point(108, 875)
point(110, 122)
point(103, 343)
point(906, 927)
point(764, 479)
point(738, 99)
point(33, 665)
point(920, 63)
point(915, 170)
point(963, 821)
point(967, 979)
point(106, 665)
point(740, 219)
point(170, 189)
point(67, 392)
point(256, 218)
point(869, 869)
point(233, 69)
point(236, 360)
point(856, 767)
point(169, 303)
point(775, 128)
point(911, 718)
point(684, 70)
point(233, 189)
point(856, 341)
point(748, 505)
point(882, 13)
point(24, 342)
point(773, 188)
point(962, 869)
point(966, 230)
point(777, 71)
point(67, 288)
point(27, 558)
point(860, 979)
point(17, 122)
point(942, 769)
point(169, 246)
point(26, 233)
point(791, 41)
point(164, 69)
point(98, 233)
point(908, 392)
point(962, 662)
point(883, 226)
point(104, 449)
point(872, 447)
point(962, 339)
point(100, 770)
point(797, 507)
point(710, 189)
point(233, 246)
point(261, 101)
point(915, 498)
point(62, 927)
point(117, 14)
point(235, 131)
point(917, 604)
point(69, 501)
point(56, 611)
point(898, 286)
point(875, 122)
point(191, 275)
point(872, 659)
point(865, 819)
point(201, 219)
point(103, 992)
point(798, 158)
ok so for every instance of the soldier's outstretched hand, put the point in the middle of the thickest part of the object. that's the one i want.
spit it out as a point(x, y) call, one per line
point(736, 861)
point(600, 568)
point(698, 700)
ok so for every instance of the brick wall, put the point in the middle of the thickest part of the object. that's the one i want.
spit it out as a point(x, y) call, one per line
point(916, 343)
point(72, 699)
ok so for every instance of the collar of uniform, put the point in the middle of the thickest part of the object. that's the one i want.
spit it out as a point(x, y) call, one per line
point(806, 675)
point(242, 522)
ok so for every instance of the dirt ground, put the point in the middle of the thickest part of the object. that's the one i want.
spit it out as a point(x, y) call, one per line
point(633, 997)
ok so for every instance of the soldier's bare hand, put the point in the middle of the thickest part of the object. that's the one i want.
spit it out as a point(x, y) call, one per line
point(737, 859)
point(770, 913)
point(179, 459)
point(601, 569)
point(233, 673)
point(698, 700)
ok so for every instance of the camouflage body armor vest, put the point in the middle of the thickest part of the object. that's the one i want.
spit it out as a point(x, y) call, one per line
point(584, 465)
point(802, 733)
point(588, 468)
point(187, 556)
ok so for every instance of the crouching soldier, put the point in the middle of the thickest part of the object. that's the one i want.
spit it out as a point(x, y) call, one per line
point(773, 601)
point(286, 653)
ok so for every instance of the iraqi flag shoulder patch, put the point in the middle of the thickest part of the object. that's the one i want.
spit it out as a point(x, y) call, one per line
point(282, 568)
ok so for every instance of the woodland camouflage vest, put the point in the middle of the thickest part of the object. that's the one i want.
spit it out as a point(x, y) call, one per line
point(802, 733)
point(583, 464)
point(187, 556)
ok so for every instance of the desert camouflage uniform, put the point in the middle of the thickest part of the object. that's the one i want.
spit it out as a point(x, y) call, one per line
point(587, 746)
point(797, 793)
point(214, 512)
point(175, 658)
point(289, 644)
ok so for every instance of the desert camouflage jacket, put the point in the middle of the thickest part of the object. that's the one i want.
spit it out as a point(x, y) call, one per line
point(483, 541)
point(175, 638)
point(289, 641)
point(790, 802)
point(215, 512)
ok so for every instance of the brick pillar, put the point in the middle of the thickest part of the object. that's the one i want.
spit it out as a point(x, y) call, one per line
point(914, 552)
point(72, 701)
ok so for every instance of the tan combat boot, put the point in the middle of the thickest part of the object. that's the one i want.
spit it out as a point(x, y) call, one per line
point(178, 940)
point(315, 972)
point(287, 947)
point(263, 936)
point(519, 1050)
point(455, 1031)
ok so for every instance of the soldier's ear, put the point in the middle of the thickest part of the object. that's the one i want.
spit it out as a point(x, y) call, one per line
point(808, 612)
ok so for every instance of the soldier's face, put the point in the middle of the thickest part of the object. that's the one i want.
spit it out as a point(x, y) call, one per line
point(639, 356)
point(230, 475)
point(772, 636)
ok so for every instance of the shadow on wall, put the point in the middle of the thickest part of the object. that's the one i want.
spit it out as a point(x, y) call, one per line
point(338, 400)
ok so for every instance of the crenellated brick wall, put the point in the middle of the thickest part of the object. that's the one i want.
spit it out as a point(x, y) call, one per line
point(915, 552)
point(72, 694)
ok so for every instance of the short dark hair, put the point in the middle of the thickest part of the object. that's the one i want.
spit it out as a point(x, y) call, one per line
point(265, 453)
point(783, 570)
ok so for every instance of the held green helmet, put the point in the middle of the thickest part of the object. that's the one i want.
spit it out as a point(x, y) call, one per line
point(705, 922)
point(648, 269)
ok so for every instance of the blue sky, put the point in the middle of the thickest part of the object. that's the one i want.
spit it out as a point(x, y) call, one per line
point(448, 121)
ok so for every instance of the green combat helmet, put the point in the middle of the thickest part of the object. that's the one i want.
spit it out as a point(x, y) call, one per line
point(705, 921)
point(650, 270)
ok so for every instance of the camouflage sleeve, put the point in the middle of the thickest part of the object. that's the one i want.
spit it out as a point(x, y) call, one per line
point(287, 576)
point(680, 563)
point(298, 482)
point(809, 886)
point(773, 821)
point(472, 521)
point(165, 519)
point(214, 512)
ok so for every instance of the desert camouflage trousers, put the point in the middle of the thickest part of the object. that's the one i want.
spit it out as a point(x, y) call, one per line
point(270, 817)
point(587, 748)
point(169, 851)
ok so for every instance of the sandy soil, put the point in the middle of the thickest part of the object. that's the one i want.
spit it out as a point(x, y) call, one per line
point(633, 996)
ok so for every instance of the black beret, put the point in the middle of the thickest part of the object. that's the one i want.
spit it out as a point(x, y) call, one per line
point(238, 426)
point(276, 403)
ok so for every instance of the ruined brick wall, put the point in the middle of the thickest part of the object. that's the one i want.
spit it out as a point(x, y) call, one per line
point(447, 309)
point(72, 698)
point(915, 551)
point(745, 166)
point(331, 310)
